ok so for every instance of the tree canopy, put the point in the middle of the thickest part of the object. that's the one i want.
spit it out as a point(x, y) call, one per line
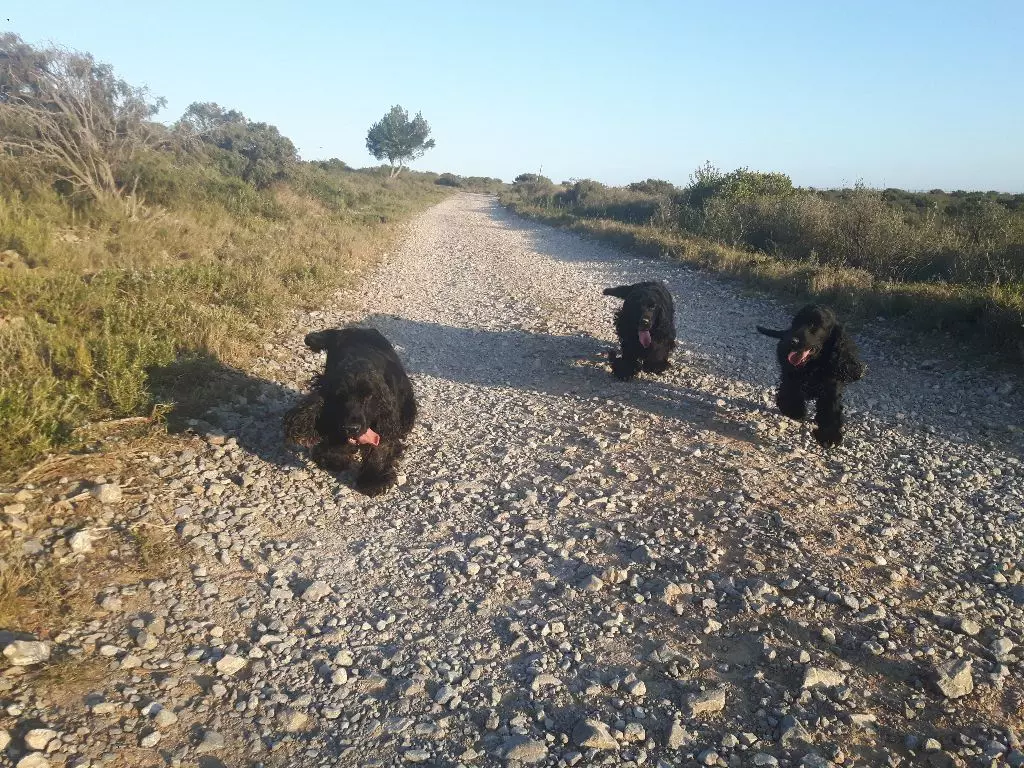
point(398, 139)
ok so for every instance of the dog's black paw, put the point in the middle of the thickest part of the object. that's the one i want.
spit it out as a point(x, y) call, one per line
point(376, 484)
point(657, 367)
point(624, 369)
point(828, 437)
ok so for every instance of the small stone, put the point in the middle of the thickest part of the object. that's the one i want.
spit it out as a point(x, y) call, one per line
point(293, 720)
point(677, 735)
point(953, 678)
point(107, 493)
point(593, 734)
point(968, 627)
point(165, 718)
point(1002, 649)
point(815, 676)
point(707, 702)
point(708, 757)
point(24, 653)
point(525, 750)
point(229, 664)
point(444, 694)
point(339, 676)
point(145, 640)
point(544, 681)
point(5, 739)
point(38, 738)
point(636, 688)
point(634, 732)
point(212, 742)
point(764, 759)
point(316, 591)
point(111, 603)
point(150, 740)
point(591, 584)
point(33, 760)
point(416, 755)
point(81, 541)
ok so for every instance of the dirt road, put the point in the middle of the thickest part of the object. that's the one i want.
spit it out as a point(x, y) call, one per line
point(575, 570)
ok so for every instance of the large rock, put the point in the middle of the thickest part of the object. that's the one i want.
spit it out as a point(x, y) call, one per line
point(33, 760)
point(23, 653)
point(953, 678)
point(593, 734)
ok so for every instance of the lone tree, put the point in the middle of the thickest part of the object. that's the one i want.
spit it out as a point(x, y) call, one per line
point(399, 139)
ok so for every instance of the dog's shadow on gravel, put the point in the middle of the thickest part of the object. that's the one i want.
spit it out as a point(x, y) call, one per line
point(212, 399)
point(565, 366)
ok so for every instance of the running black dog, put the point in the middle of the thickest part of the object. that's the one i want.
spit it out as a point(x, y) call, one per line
point(362, 405)
point(646, 328)
point(818, 358)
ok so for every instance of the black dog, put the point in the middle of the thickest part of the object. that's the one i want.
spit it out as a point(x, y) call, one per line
point(646, 328)
point(818, 358)
point(363, 404)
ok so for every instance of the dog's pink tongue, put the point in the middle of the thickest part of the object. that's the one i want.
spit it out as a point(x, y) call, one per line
point(798, 358)
point(369, 437)
point(645, 339)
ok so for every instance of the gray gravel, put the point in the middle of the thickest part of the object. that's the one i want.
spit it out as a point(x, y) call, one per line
point(573, 570)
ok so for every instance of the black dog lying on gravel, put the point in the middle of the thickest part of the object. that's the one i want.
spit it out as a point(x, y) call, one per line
point(818, 358)
point(363, 404)
point(646, 328)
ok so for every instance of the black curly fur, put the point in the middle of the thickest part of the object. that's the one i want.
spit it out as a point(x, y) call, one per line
point(646, 306)
point(363, 386)
point(817, 358)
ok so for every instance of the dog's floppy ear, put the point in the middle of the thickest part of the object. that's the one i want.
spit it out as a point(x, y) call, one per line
point(619, 291)
point(769, 332)
point(318, 341)
point(845, 360)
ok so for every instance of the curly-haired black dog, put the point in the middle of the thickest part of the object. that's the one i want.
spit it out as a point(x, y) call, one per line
point(646, 328)
point(362, 404)
point(818, 358)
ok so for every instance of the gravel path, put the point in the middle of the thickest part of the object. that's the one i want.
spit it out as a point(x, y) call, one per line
point(573, 570)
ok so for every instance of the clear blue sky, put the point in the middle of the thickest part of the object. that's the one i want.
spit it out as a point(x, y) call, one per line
point(910, 94)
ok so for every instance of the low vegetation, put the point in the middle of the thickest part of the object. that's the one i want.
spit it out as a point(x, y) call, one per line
point(127, 245)
point(950, 261)
point(482, 184)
